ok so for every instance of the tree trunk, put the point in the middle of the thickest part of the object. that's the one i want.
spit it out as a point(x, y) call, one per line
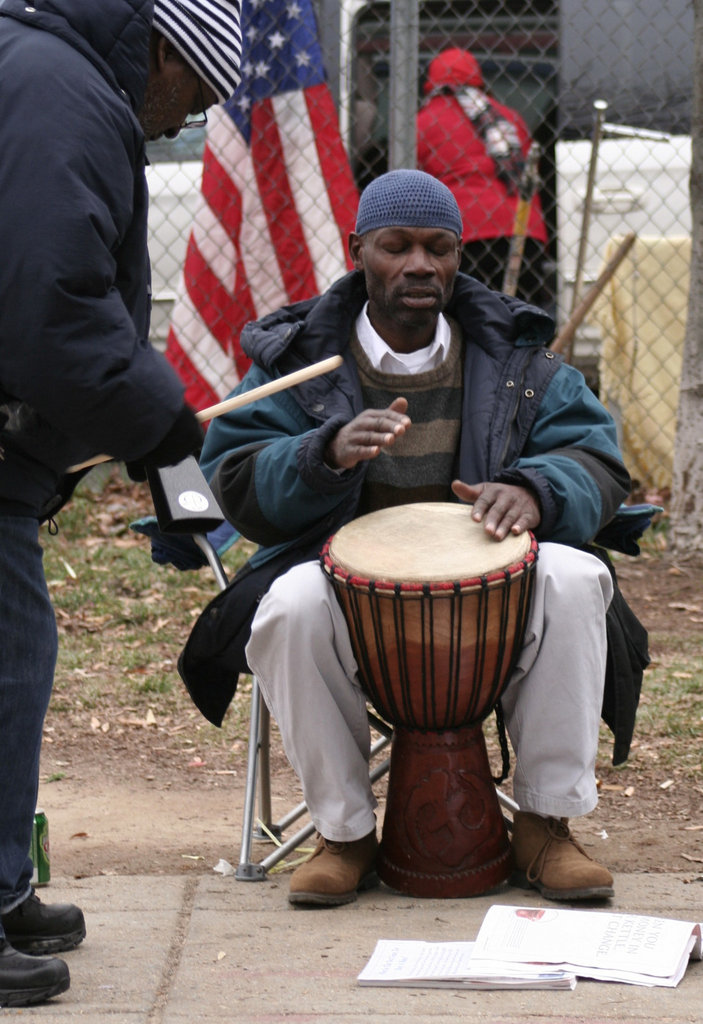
point(687, 496)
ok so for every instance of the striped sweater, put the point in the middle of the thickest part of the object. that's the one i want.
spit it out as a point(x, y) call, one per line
point(420, 465)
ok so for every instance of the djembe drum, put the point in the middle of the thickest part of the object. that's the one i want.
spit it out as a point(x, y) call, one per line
point(436, 611)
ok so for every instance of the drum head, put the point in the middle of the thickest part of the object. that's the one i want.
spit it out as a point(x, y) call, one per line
point(423, 542)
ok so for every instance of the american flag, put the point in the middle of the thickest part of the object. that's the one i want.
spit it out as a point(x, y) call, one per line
point(278, 200)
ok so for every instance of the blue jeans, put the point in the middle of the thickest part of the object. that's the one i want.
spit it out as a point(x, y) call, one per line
point(28, 648)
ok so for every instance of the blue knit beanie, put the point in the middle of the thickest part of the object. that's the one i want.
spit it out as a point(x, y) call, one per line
point(407, 199)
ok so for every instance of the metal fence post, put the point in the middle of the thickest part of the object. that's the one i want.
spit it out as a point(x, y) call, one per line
point(405, 32)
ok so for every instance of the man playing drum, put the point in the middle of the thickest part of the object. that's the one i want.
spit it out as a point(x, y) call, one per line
point(447, 393)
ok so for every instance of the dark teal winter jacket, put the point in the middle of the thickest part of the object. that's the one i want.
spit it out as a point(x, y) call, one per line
point(528, 419)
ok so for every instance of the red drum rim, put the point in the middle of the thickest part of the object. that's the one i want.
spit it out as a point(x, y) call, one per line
point(497, 576)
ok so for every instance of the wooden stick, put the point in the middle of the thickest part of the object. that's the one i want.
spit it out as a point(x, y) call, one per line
point(528, 187)
point(230, 404)
point(565, 337)
point(599, 107)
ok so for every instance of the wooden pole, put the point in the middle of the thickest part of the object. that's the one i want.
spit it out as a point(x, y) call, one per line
point(564, 339)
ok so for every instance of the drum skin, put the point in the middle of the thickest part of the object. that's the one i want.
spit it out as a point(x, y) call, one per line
point(436, 611)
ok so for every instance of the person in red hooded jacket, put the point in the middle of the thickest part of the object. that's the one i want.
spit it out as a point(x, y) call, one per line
point(478, 147)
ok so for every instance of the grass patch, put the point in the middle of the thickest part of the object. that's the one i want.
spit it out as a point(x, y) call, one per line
point(123, 619)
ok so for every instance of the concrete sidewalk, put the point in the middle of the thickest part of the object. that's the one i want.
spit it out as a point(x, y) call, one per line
point(178, 950)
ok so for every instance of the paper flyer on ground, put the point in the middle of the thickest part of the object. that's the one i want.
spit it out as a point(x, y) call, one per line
point(543, 947)
point(629, 948)
point(408, 964)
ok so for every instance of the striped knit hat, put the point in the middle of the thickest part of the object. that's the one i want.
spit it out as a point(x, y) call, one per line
point(208, 35)
point(407, 199)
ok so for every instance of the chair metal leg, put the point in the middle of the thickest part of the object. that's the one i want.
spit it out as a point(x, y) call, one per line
point(507, 801)
point(258, 768)
point(304, 833)
point(265, 826)
point(247, 870)
point(213, 559)
point(509, 805)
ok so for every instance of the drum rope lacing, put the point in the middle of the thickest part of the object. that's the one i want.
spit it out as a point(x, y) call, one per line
point(437, 713)
point(437, 706)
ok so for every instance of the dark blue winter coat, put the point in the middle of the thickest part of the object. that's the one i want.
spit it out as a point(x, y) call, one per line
point(78, 376)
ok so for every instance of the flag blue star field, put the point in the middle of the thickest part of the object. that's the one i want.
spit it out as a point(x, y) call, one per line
point(278, 200)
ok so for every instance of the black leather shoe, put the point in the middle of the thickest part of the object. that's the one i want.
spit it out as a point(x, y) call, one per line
point(27, 980)
point(35, 928)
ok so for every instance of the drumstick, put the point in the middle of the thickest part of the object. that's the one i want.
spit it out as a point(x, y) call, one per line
point(289, 380)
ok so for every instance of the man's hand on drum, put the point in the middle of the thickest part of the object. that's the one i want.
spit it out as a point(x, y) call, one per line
point(367, 435)
point(503, 508)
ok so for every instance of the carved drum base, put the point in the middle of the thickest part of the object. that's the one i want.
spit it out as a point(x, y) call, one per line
point(444, 835)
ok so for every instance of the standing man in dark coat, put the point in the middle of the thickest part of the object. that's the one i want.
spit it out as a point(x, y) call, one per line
point(83, 87)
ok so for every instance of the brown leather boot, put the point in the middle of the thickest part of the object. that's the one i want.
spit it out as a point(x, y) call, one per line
point(335, 872)
point(548, 858)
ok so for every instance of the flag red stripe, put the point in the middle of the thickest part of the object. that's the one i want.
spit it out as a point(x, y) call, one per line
point(336, 172)
point(224, 314)
point(221, 194)
point(199, 394)
point(268, 158)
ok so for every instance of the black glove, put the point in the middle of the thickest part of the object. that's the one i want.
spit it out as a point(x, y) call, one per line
point(184, 438)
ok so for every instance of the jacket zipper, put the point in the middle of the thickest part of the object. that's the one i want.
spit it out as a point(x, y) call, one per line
point(512, 417)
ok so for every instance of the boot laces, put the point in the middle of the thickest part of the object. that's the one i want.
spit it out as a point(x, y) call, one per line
point(330, 845)
point(333, 846)
point(558, 831)
point(27, 905)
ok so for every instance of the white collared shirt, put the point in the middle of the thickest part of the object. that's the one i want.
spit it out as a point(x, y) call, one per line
point(384, 359)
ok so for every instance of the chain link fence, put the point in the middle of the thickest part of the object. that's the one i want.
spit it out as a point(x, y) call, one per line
point(603, 89)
